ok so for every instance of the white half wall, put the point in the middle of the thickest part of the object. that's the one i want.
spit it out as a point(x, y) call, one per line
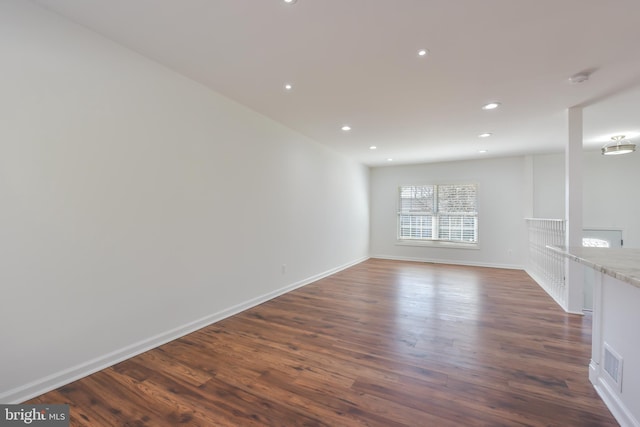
point(501, 204)
point(615, 317)
point(137, 205)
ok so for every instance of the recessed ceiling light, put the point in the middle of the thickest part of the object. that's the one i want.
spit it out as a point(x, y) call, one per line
point(290, 1)
point(389, 160)
point(423, 52)
point(346, 128)
point(485, 135)
point(491, 106)
point(483, 151)
point(373, 147)
point(288, 86)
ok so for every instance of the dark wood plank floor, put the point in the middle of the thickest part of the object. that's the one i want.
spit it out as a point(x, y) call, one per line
point(384, 343)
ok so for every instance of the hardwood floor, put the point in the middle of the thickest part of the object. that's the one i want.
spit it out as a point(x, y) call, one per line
point(384, 343)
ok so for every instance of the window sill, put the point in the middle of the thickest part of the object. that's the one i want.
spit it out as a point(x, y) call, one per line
point(438, 244)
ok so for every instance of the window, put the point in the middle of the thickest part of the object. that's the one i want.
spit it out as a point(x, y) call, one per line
point(446, 213)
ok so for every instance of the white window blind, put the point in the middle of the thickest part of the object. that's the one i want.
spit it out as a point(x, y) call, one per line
point(438, 212)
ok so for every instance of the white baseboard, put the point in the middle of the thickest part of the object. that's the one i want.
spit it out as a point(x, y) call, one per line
point(594, 371)
point(59, 379)
point(450, 262)
point(615, 405)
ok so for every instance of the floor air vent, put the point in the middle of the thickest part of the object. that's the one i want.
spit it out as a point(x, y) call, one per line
point(613, 365)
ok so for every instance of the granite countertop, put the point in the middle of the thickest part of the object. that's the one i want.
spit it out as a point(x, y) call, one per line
point(621, 263)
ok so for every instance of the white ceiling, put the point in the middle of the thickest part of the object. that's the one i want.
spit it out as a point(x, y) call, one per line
point(355, 62)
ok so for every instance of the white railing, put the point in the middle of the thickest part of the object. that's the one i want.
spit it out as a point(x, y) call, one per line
point(545, 266)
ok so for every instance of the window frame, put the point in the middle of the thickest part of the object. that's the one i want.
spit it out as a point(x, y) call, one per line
point(435, 218)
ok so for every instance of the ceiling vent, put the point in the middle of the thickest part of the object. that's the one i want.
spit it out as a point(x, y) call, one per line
point(579, 78)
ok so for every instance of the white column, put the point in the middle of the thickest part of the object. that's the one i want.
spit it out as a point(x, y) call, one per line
point(527, 211)
point(574, 279)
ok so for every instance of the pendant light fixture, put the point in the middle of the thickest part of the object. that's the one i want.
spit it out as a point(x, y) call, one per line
point(618, 146)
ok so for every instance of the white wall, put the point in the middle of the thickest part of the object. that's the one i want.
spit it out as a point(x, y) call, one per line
point(610, 198)
point(501, 205)
point(137, 205)
point(548, 186)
